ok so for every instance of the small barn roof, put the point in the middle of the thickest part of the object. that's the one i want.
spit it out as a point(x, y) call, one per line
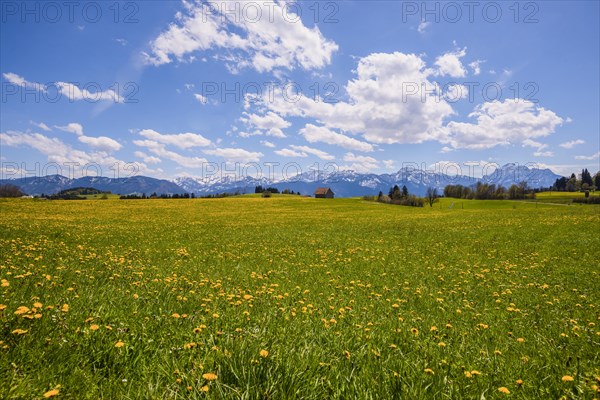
point(322, 190)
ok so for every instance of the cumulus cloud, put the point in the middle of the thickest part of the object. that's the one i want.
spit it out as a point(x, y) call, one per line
point(314, 134)
point(449, 64)
point(73, 127)
point(270, 124)
point(160, 150)
point(572, 143)
point(147, 158)
point(476, 66)
point(41, 125)
point(423, 26)
point(592, 157)
point(278, 39)
point(386, 103)
point(101, 142)
point(360, 163)
point(181, 140)
point(502, 123)
point(69, 90)
point(290, 153)
point(235, 154)
point(61, 153)
point(266, 143)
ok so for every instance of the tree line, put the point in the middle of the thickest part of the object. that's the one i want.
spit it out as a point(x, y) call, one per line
point(575, 184)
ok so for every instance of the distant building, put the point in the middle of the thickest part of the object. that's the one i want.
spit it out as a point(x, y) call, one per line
point(323, 193)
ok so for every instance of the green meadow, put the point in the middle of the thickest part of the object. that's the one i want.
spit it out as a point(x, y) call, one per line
point(290, 297)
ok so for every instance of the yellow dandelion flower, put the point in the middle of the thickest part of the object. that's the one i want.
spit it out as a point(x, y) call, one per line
point(468, 374)
point(347, 354)
point(197, 330)
point(89, 319)
point(442, 344)
point(519, 382)
point(503, 390)
point(37, 304)
point(497, 352)
point(204, 388)
point(2, 307)
point(429, 371)
point(264, 353)
point(520, 340)
point(22, 310)
point(119, 344)
point(175, 315)
point(567, 378)
point(415, 331)
point(65, 308)
point(94, 327)
point(5, 283)
point(210, 376)
point(475, 373)
point(51, 393)
point(20, 331)
point(433, 329)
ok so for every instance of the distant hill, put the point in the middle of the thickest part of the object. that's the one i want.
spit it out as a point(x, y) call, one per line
point(53, 184)
point(343, 183)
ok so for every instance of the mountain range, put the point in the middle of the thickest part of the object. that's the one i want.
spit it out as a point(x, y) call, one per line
point(343, 183)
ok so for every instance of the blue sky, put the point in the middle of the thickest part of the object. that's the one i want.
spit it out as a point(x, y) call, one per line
point(168, 88)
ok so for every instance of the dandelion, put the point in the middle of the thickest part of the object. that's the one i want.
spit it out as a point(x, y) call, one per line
point(264, 353)
point(415, 331)
point(520, 340)
point(442, 344)
point(429, 371)
point(204, 388)
point(22, 310)
point(65, 308)
point(433, 329)
point(51, 393)
point(175, 315)
point(567, 378)
point(37, 304)
point(20, 331)
point(119, 344)
point(347, 354)
point(503, 390)
point(468, 374)
point(475, 373)
point(5, 283)
point(94, 327)
point(210, 376)
point(519, 382)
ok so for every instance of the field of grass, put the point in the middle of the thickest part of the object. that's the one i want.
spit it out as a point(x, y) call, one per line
point(561, 197)
point(291, 297)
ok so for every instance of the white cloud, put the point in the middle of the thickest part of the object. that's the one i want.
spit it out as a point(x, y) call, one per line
point(379, 106)
point(235, 154)
point(101, 143)
point(422, 26)
point(592, 157)
point(502, 123)
point(181, 140)
point(267, 143)
point(159, 150)
point(389, 164)
point(121, 41)
point(73, 127)
point(61, 153)
point(572, 143)
point(271, 124)
point(201, 99)
point(360, 163)
point(278, 39)
point(475, 66)
point(41, 125)
point(316, 152)
point(291, 153)
point(71, 91)
point(456, 92)
point(449, 64)
point(314, 134)
point(543, 154)
point(147, 158)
